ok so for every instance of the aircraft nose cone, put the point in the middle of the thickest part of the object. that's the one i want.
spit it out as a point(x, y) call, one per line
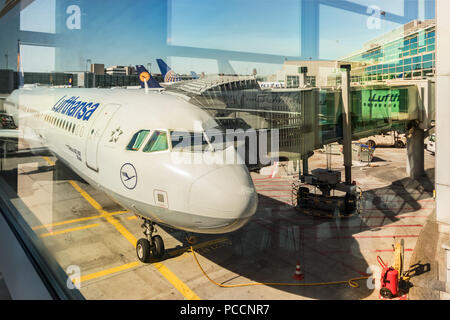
point(226, 193)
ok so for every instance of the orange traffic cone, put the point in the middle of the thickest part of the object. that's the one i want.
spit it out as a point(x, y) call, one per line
point(276, 167)
point(298, 272)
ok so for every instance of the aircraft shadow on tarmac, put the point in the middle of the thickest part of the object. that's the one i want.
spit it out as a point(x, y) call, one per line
point(268, 248)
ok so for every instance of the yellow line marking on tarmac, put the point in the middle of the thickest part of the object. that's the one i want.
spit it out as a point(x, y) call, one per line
point(49, 161)
point(55, 224)
point(132, 218)
point(109, 271)
point(105, 214)
point(169, 275)
point(175, 281)
point(188, 293)
point(68, 230)
point(118, 212)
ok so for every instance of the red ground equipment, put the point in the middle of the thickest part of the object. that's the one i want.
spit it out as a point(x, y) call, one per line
point(389, 280)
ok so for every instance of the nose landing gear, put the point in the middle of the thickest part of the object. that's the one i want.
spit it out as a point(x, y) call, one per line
point(150, 245)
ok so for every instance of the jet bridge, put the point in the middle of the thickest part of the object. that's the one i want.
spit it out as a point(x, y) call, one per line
point(308, 118)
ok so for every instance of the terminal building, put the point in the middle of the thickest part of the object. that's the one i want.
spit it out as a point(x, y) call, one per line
point(407, 52)
point(119, 70)
point(319, 73)
point(98, 68)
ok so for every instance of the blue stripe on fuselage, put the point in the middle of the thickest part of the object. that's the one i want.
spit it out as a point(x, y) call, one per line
point(81, 110)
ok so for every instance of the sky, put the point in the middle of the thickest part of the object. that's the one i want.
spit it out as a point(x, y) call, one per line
point(198, 35)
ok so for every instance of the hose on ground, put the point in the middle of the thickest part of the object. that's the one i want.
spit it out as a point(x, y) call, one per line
point(351, 282)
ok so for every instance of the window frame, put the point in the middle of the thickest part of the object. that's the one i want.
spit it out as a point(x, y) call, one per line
point(127, 147)
point(147, 140)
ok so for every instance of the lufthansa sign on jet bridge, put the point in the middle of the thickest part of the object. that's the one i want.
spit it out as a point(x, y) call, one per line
point(71, 107)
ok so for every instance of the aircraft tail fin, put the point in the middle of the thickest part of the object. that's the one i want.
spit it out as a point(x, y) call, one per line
point(163, 67)
point(194, 75)
point(167, 73)
point(146, 77)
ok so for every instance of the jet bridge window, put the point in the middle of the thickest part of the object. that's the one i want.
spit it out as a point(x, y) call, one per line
point(157, 142)
point(137, 140)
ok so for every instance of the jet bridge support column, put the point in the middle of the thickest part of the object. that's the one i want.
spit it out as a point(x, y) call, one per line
point(415, 150)
point(347, 124)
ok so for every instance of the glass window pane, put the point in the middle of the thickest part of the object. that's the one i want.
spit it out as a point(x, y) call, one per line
point(239, 62)
point(157, 142)
point(427, 65)
point(428, 57)
point(137, 140)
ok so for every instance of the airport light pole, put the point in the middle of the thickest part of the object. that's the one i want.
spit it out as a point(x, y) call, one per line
point(88, 62)
point(6, 59)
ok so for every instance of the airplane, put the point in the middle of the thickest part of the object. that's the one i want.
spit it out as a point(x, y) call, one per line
point(146, 79)
point(194, 75)
point(123, 142)
point(168, 74)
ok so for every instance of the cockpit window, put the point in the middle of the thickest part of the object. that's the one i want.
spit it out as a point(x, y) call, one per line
point(157, 142)
point(137, 140)
point(188, 141)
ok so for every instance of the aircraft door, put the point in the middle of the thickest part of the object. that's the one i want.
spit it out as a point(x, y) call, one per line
point(96, 132)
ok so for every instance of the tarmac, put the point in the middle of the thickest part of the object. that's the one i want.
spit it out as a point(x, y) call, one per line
point(94, 239)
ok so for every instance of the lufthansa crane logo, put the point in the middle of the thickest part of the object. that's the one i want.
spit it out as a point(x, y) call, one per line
point(144, 76)
point(128, 176)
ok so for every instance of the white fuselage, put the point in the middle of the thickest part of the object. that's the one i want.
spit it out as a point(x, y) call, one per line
point(90, 130)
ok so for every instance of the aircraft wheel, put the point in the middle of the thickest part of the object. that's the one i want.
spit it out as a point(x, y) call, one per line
point(386, 293)
point(192, 240)
point(158, 247)
point(399, 144)
point(143, 250)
